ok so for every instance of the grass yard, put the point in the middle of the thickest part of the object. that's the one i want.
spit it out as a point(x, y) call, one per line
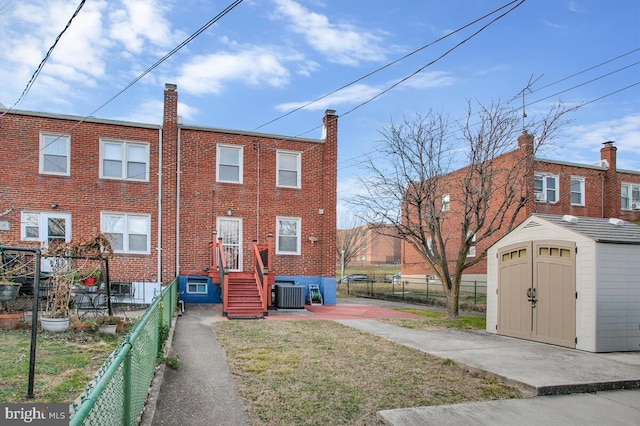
point(65, 362)
point(431, 321)
point(324, 373)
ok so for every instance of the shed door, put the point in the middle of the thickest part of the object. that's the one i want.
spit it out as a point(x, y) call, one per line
point(536, 291)
point(514, 281)
point(555, 290)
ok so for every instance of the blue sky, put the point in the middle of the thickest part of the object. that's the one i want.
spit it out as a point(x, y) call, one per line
point(266, 57)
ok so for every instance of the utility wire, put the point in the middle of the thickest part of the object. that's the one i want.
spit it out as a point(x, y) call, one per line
point(402, 80)
point(44, 60)
point(386, 65)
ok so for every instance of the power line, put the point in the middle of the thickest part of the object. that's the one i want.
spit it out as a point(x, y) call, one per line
point(44, 60)
point(386, 65)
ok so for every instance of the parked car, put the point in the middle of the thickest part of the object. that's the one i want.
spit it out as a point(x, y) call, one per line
point(354, 278)
point(395, 278)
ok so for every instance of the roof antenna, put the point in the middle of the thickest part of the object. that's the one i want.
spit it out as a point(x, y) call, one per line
point(522, 92)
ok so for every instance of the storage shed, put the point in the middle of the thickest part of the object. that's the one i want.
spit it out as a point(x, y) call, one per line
point(569, 281)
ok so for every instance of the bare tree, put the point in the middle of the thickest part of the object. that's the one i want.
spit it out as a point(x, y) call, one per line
point(442, 212)
point(350, 242)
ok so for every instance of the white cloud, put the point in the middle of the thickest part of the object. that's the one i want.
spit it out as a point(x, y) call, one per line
point(341, 43)
point(350, 95)
point(429, 80)
point(140, 21)
point(206, 74)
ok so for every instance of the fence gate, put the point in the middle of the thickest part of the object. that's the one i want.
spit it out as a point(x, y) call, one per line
point(536, 291)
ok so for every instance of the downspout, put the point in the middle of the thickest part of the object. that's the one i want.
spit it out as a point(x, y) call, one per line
point(159, 244)
point(602, 194)
point(178, 173)
point(258, 197)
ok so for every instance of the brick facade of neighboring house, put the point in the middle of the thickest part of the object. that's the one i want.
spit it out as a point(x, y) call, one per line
point(164, 189)
point(380, 245)
point(558, 187)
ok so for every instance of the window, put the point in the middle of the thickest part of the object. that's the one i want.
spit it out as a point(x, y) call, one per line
point(288, 166)
point(54, 154)
point(630, 196)
point(545, 188)
point(577, 191)
point(30, 226)
point(446, 203)
point(128, 233)
point(472, 249)
point(197, 285)
point(288, 235)
point(124, 160)
point(229, 163)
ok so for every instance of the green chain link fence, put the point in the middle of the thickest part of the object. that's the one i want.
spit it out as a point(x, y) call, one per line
point(118, 391)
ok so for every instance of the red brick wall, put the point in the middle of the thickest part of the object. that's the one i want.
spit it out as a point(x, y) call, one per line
point(82, 194)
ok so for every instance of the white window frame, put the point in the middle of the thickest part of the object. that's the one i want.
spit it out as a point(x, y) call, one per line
point(298, 157)
point(472, 249)
point(125, 144)
point(446, 202)
point(126, 231)
point(582, 194)
point(45, 142)
point(198, 283)
point(298, 223)
point(542, 197)
point(627, 199)
point(240, 165)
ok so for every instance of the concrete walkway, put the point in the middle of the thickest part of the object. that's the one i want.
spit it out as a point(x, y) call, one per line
point(202, 390)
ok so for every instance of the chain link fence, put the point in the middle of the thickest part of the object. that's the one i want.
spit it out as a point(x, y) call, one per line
point(118, 391)
point(473, 294)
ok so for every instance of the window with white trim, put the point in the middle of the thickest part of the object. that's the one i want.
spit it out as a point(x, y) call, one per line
point(30, 229)
point(288, 166)
point(472, 248)
point(630, 196)
point(545, 188)
point(577, 191)
point(288, 235)
point(124, 160)
point(55, 153)
point(127, 232)
point(196, 285)
point(446, 203)
point(229, 163)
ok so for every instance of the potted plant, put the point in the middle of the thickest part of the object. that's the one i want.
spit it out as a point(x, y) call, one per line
point(109, 324)
point(56, 314)
point(9, 317)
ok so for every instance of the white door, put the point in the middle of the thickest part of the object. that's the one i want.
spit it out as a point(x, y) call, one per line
point(230, 230)
point(52, 228)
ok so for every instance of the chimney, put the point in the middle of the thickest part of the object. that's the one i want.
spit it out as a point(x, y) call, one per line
point(325, 122)
point(168, 181)
point(608, 153)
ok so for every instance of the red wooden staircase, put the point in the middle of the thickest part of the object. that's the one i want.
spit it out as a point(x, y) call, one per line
point(245, 300)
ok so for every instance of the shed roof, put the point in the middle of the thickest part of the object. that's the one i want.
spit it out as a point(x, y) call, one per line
point(598, 229)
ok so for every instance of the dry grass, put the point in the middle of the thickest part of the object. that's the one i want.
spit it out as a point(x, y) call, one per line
point(324, 373)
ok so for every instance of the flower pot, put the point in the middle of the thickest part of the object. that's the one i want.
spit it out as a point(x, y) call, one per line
point(8, 292)
point(54, 324)
point(82, 326)
point(108, 328)
point(89, 281)
point(10, 321)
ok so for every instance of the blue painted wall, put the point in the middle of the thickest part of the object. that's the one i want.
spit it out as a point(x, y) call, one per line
point(212, 295)
point(327, 286)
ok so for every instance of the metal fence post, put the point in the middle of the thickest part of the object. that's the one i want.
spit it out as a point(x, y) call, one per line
point(427, 287)
point(475, 292)
point(126, 385)
point(403, 290)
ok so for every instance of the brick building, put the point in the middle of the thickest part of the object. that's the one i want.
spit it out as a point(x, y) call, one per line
point(551, 187)
point(160, 192)
point(380, 245)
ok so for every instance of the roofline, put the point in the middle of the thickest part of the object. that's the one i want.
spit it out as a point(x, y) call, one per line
point(250, 133)
point(596, 239)
point(157, 126)
point(83, 119)
point(566, 163)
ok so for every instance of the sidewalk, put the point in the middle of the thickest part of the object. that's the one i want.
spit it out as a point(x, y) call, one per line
point(202, 391)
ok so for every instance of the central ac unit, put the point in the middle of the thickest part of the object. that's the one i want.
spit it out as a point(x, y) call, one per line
point(290, 296)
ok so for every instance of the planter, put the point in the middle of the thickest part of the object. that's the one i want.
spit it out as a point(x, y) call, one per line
point(89, 281)
point(10, 321)
point(8, 292)
point(54, 324)
point(108, 329)
point(83, 326)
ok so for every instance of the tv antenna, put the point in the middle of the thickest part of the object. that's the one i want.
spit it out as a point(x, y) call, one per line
point(527, 88)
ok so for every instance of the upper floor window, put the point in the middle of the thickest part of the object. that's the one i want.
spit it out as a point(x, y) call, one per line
point(288, 165)
point(288, 235)
point(545, 188)
point(55, 154)
point(229, 163)
point(446, 203)
point(472, 248)
point(630, 196)
point(577, 191)
point(124, 160)
point(128, 233)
